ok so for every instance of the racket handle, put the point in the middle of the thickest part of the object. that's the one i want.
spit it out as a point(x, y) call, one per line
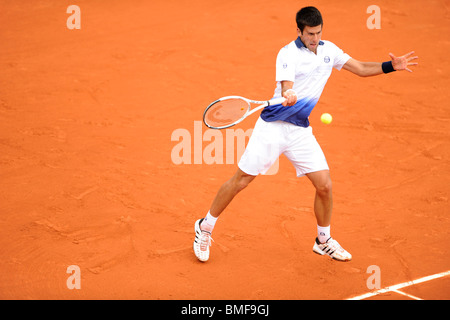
point(276, 101)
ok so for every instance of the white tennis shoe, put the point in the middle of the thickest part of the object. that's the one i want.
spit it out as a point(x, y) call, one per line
point(202, 242)
point(332, 248)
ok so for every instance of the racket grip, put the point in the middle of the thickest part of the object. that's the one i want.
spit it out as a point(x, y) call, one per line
point(276, 101)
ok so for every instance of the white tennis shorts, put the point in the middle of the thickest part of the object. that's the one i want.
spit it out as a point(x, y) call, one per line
point(271, 139)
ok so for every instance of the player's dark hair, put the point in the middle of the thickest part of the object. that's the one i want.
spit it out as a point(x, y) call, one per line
point(308, 16)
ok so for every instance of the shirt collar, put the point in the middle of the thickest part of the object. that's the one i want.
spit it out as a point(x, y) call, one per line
point(300, 44)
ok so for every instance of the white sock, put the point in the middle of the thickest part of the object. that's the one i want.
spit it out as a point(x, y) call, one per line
point(323, 233)
point(209, 222)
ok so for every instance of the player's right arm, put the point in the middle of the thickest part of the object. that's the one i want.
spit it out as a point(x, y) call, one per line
point(288, 93)
point(285, 74)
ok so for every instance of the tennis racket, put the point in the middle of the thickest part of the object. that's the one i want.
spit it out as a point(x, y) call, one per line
point(229, 111)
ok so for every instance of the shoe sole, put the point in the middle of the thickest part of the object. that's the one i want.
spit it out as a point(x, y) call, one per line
point(197, 227)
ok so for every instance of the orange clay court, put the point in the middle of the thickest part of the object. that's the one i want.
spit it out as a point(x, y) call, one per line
point(88, 179)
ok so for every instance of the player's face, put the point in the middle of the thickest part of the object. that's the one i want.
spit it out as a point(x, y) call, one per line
point(311, 37)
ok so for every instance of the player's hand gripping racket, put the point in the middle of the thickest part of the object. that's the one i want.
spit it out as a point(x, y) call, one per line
point(229, 111)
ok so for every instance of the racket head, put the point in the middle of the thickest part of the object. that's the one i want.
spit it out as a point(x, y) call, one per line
point(226, 112)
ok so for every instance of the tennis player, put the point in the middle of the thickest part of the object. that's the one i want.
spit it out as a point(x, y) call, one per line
point(302, 70)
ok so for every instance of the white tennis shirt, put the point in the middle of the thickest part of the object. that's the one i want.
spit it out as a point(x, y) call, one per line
point(309, 72)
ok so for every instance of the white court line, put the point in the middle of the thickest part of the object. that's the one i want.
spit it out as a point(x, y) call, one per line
point(395, 288)
point(407, 294)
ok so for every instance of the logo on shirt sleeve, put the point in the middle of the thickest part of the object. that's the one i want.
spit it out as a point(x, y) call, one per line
point(285, 65)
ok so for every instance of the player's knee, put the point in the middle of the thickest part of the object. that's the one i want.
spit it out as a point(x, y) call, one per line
point(241, 182)
point(325, 188)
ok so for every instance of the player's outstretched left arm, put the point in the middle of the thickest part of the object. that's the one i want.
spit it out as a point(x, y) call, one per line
point(368, 69)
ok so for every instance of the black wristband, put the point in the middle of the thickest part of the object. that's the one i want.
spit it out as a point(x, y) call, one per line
point(387, 67)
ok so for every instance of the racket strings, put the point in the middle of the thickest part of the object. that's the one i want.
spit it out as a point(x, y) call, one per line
point(226, 112)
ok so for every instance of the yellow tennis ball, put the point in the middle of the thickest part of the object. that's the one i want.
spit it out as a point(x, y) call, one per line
point(326, 118)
